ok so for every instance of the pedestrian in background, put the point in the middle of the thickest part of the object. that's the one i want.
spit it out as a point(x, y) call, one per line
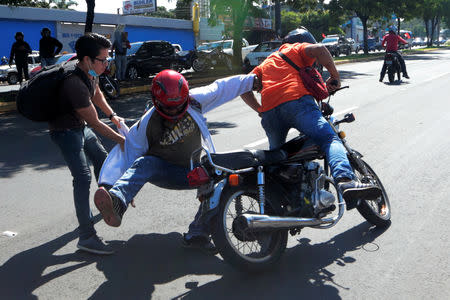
point(120, 46)
point(19, 53)
point(47, 45)
point(73, 131)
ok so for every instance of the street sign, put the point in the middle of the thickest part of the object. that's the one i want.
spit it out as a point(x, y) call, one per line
point(138, 7)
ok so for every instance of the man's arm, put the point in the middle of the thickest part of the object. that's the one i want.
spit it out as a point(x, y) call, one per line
point(250, 99)
point(401, 40)
point(27, 46)
point(89, 114)
point(11, 56)
point(323, 56)
point(58, 46)
point(100, 101)
point(383, 42)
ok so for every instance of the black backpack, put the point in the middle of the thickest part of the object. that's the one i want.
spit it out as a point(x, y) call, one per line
point(38, 99)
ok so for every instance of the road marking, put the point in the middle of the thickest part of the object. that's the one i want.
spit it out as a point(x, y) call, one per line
point(9, 233)
point(436, 77)
point(291, 131)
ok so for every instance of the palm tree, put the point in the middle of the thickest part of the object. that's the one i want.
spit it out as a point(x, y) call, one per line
point(62, 4)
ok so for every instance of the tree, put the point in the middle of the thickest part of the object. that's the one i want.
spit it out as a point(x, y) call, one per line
point(406, 10)
point(89, 15)
point(238, 10)
point(364, 10)
point(162, 12)
point(183, 10)
point(31, 3)
point(62, 4)
point(432, 12)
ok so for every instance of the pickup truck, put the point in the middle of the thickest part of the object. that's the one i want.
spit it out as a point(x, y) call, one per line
point(227, 46)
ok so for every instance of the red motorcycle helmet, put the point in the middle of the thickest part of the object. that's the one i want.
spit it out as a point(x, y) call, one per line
point(170, 94)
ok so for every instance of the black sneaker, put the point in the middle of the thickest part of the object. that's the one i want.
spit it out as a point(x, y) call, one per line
point(406, 76)
point(111, 207)
point(199, 242)
point(95, 245)
point(352, 191)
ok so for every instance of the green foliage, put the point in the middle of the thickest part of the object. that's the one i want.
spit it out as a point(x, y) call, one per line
point(316, 21)
point(62, 4)
point(183, 10)
point(30, 3)
point(162, 12)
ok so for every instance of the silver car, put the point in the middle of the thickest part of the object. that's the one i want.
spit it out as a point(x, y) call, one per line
point(259, 54)
point(10, 74)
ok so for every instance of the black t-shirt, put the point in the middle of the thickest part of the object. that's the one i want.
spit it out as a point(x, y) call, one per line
point(173, 141)
point(73, 94)
point(47, 47)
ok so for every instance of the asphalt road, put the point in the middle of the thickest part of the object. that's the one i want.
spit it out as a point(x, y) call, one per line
point(402, 129)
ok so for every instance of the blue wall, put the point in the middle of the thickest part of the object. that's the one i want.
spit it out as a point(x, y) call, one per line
point(30, 29)
point(176, 36)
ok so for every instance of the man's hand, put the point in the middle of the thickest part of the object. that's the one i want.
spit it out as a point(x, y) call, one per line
point(333, 84)
point(116, 120)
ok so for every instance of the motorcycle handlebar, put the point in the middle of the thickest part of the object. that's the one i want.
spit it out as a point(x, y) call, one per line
point(341, 88)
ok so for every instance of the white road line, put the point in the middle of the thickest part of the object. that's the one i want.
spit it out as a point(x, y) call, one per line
point(265, 140)
point(436, 77)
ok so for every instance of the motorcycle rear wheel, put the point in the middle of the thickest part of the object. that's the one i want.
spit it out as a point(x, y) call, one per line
point(378, 211)
point(247, 251)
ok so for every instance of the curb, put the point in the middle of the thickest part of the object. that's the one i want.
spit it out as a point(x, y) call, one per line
point(7, 107)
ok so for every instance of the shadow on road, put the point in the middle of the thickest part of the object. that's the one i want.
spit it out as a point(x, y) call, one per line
point(153, 259)
point(28, 144)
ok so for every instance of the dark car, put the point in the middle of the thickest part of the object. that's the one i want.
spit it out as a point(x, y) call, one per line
point(337, 45)
point(150, 57)
point(374, 44)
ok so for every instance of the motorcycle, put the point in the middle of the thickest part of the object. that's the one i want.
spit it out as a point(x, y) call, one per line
point(185, 59)
point(253, 198)
point(108, 84)
point(393, 66)
point(213, 58)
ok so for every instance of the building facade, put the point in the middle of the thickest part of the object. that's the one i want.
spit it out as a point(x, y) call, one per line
point(67, 26)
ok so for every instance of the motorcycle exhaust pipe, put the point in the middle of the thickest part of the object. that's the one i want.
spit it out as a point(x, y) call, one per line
point(255, 222)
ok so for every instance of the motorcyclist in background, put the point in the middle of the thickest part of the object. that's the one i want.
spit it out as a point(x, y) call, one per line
point(390, 42)
point(47, 45)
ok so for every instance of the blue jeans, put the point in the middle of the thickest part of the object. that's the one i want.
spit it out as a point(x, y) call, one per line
point(48, 61)
point(77, 146)
point(304, 115)
point(121, 66)
point(160, 173)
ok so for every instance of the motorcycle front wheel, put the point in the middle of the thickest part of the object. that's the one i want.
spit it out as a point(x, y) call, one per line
point(378, 211)
point(247, 251)
point(110, 87)
point(199, 65)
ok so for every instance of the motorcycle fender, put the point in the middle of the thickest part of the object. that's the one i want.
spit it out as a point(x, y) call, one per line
point(359, 155)
point(214, 200)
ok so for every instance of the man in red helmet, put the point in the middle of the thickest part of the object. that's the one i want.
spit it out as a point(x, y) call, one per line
point(158, 147)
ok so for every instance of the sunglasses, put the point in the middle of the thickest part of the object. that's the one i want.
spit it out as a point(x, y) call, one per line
point(103, 61)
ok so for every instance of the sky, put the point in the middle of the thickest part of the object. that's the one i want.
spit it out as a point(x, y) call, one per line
point(110, 6)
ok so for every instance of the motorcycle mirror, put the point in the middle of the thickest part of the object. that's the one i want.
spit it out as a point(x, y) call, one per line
point(350, 117)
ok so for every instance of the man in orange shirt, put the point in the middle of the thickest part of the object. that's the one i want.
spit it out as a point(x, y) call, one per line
point(286, 103)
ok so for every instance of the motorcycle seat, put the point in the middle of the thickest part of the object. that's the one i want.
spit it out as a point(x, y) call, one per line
point(248, 158)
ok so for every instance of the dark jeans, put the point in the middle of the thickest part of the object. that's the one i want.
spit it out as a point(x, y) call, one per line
point(400, 60)
point(77, 146)
point(22, 67)
point(160, 173)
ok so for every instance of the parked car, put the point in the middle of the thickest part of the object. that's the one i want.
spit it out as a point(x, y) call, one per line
point(337, 45)
point(150, 57)
point(10, 74)
point(59, 60)
point(227, 47)
point(356, 47)
point(374, 44)
point(259, 54)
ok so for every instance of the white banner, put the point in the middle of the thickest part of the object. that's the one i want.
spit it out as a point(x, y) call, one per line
point(138, 6)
